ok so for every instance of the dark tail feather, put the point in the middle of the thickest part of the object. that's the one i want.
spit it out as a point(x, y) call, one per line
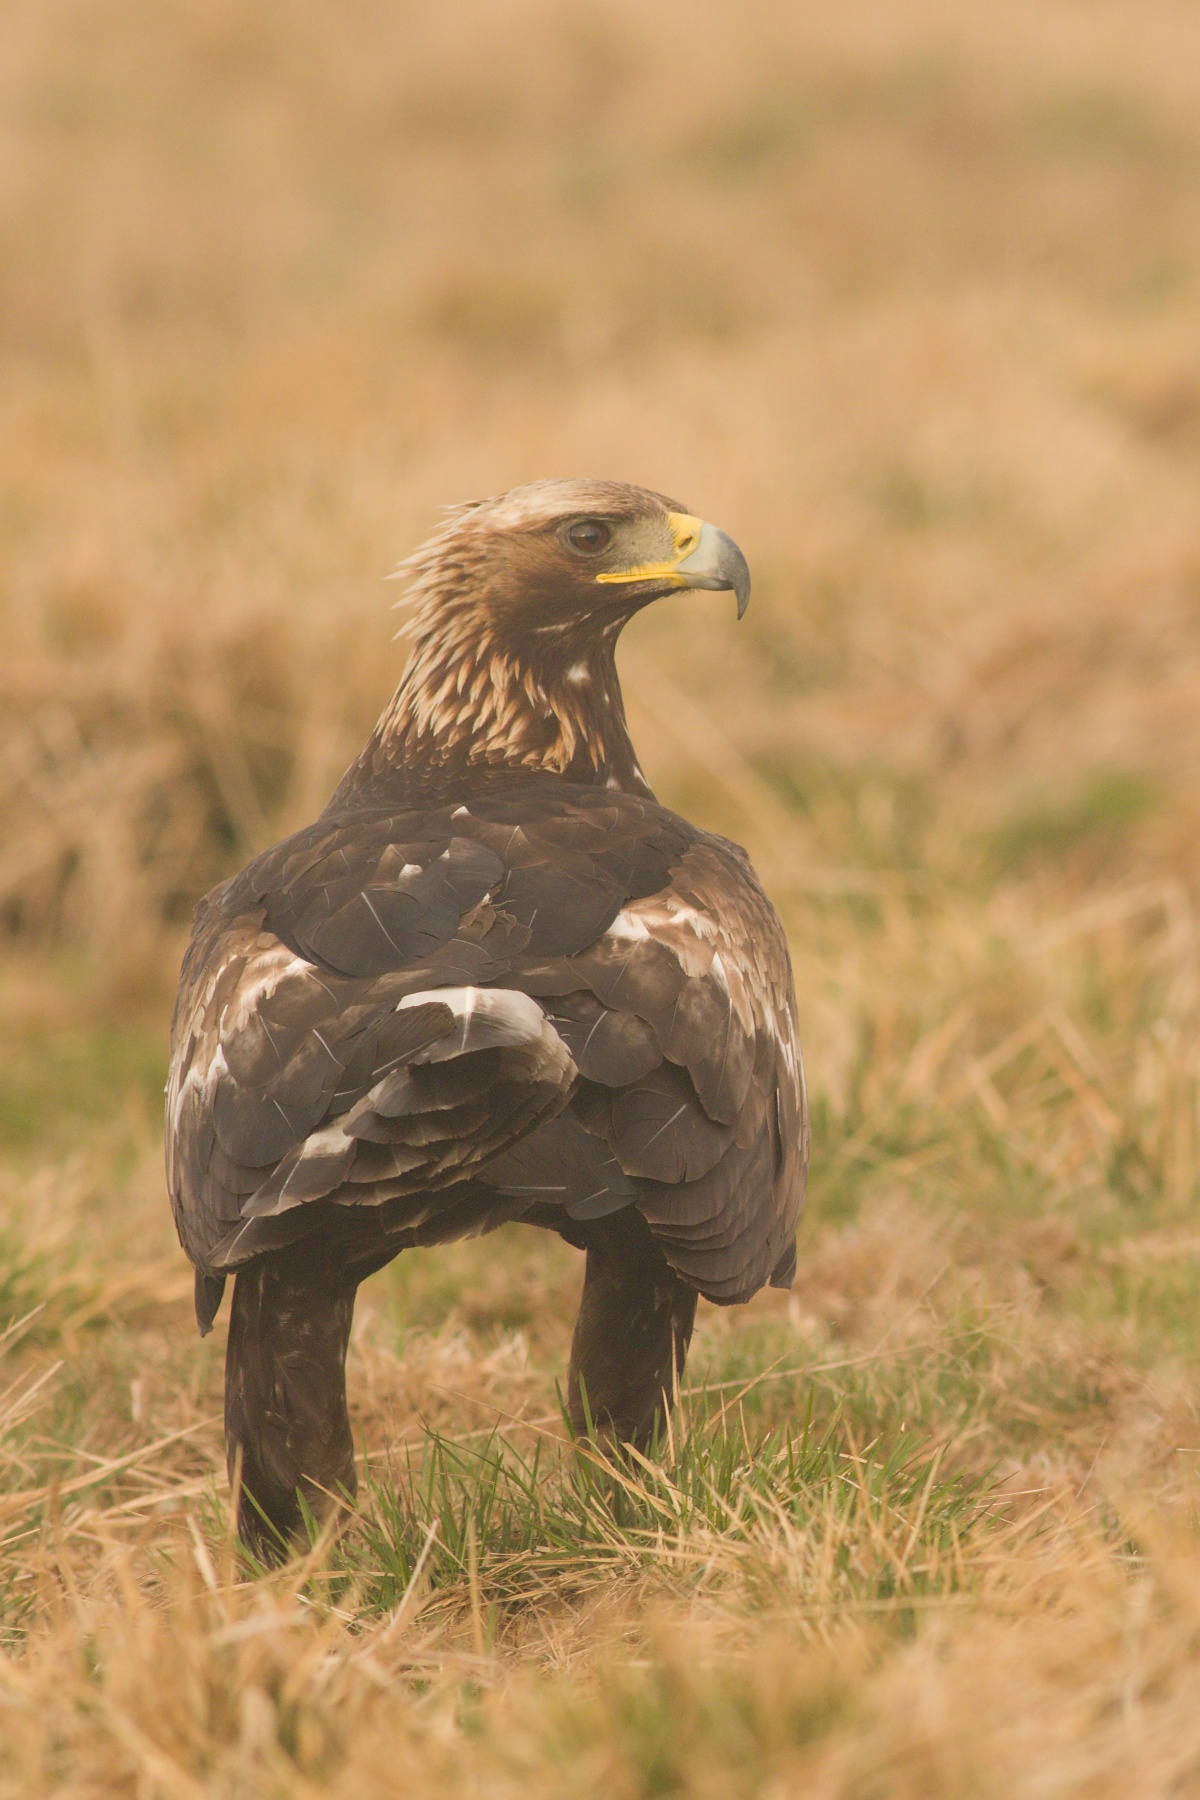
point(210, 1290)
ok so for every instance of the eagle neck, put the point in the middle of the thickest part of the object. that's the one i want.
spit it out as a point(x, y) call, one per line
point(475, 708)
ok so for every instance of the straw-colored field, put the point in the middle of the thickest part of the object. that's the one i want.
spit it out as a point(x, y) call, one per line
point(905, 296)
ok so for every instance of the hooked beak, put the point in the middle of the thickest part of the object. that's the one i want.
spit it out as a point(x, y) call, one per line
point(704, 558)
point(716, 562)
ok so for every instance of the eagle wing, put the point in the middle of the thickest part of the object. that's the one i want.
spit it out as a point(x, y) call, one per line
point(681, 1020)
point(554, 1002)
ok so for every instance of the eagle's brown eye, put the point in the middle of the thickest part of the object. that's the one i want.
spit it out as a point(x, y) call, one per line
point(590, 536)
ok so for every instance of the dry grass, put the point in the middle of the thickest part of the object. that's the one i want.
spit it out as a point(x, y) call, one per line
point(904, 295)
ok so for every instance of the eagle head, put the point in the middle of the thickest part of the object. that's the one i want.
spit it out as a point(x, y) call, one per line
point(516, 604)
point(568, 559)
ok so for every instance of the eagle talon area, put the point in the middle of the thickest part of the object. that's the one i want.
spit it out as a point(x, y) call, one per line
point(494, 981)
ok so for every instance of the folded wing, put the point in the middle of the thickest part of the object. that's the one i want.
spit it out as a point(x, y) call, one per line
point(554, 1003)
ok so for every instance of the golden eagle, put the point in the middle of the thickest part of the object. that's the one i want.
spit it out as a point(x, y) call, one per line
point(495, 980)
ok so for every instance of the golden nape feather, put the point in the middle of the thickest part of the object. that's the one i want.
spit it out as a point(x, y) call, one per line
point(494, 981)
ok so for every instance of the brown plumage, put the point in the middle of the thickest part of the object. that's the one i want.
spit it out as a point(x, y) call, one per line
point(495, 980)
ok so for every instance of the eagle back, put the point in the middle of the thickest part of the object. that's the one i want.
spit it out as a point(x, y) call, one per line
point(552, 1001)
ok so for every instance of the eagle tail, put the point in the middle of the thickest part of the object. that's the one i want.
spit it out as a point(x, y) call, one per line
point(210, 1290)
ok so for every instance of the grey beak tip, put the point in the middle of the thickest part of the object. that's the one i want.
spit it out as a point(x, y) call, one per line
point(738, 571)
point(717, 562)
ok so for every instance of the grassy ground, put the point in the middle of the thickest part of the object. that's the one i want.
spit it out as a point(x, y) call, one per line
point(904, 296)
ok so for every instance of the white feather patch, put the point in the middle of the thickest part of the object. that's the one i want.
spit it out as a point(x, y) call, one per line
point(493, 1018)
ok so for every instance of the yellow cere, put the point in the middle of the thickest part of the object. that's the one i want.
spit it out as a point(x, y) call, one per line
point(686, 529)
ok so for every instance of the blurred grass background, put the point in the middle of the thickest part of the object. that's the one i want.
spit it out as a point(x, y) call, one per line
point(904, 296)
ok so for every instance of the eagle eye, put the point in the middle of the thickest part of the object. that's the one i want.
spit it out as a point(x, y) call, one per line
point(589, 536)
